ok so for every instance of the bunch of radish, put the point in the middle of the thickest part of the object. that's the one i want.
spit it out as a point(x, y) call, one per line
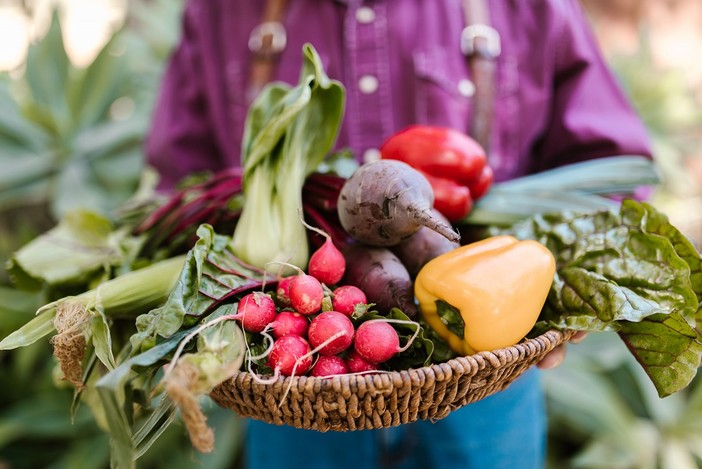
point(312, 325)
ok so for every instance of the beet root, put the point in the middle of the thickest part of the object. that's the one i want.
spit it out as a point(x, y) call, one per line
point(387, 201)
point(382, 277)
point(422, 247)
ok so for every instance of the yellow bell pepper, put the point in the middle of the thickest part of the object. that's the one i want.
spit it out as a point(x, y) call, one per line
point(499, 285)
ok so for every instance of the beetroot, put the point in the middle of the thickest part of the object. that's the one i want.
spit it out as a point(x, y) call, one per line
point(387, 201)
point(422, 247)
point(382, 277)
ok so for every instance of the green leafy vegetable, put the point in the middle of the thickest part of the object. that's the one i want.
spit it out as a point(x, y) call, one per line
point(80, 250)
point(211, 276)
point(581, 187)
point(288, 133)
point(631, 271)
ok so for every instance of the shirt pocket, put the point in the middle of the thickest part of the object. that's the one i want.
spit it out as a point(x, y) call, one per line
point(443, 88)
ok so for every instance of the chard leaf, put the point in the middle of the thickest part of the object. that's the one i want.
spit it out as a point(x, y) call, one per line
point(629, 271)
point(658, 223)
point(667, 348)
point(211, 276)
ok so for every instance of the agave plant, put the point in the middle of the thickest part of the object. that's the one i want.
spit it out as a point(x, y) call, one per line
point(59, 143)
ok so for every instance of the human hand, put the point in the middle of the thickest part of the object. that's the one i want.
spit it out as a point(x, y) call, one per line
point(556, 356)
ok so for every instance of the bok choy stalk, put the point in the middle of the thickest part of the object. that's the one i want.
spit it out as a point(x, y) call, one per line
point(288, 133)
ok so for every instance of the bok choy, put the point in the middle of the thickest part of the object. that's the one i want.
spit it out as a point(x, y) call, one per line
point(288, 133)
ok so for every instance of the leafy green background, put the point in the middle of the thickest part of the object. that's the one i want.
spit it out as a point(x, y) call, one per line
point(63, 145)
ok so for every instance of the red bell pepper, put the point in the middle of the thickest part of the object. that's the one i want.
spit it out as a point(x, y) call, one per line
point(454, 163)
point(453, 200)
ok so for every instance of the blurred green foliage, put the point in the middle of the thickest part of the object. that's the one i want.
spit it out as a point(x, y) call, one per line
point(71, 137)
point(603, 414)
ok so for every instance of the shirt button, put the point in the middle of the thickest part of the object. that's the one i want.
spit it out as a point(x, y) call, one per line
point(466, 88)
point(368, 84)
point(365, 15)
point(370, 155)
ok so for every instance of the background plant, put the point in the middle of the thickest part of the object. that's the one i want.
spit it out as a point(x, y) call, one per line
point(72, 136)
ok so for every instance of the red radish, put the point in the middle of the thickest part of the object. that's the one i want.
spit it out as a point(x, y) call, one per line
point(290, 322)
point(327, 264)
point(334, 328)
point(282, 291)
point(346, 298)
point(256, 310)
point(358, 364)
point(376, 341)
point(329, 365)
point(288, 351)
point(306, 294)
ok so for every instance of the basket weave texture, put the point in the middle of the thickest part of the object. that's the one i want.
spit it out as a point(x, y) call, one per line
point(371, 401)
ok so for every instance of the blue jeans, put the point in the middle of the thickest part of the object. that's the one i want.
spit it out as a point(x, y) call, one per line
point(505, 430)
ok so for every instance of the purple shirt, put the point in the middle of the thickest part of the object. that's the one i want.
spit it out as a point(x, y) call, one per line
point(401, 63)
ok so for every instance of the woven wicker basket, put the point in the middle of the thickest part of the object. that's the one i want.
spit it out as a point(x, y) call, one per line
point(357, 402)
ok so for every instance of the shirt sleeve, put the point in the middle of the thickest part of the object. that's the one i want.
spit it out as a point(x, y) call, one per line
point(181, 138)
point(591, 115)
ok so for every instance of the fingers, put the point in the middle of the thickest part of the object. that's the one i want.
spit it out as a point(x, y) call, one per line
point(578, 337)
point(556, 356)
point(553, 358)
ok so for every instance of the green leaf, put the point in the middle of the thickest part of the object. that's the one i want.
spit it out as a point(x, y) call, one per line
point(82, 247)
point(628, 271)
point(102, 341)
point(15, 130)
point(656, 222)
point(25, 168)
point(668, 349)
point(288, 133)
point(91, 94)
point(47, 70)
point(113, 389)
point(576, 187)
point(211, 275)
point(41, 326)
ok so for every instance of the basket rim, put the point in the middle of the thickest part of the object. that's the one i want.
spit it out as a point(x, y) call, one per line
point(471, 364)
